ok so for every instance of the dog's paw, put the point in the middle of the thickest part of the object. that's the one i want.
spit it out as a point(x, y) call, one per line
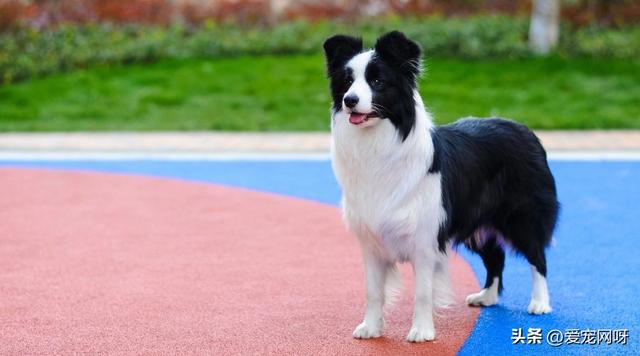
point(485, 297)
point(539, 307)
point(365, 331)
point(421, 334)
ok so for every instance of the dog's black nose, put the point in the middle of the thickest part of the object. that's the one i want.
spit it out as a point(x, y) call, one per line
point(350, 101)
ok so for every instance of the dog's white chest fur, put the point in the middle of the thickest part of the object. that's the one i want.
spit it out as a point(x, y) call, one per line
point(389, 200)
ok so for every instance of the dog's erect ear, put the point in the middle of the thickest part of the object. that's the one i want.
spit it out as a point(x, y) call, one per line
point(339, 49)
point(396, 49)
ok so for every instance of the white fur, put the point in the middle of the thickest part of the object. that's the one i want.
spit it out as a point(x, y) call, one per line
point(360, 87)
point(539, 295)
point(394, 207)
point(487, 296)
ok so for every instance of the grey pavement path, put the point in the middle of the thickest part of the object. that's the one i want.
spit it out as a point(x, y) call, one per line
point(284, 143)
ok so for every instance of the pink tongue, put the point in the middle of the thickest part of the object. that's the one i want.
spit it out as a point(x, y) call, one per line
point(357, 119)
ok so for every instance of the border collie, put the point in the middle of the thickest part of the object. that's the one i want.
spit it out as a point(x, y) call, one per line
point(411, 190)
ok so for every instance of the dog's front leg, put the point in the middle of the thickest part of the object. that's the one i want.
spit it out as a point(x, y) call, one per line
point(422, 328)
point(375, 274)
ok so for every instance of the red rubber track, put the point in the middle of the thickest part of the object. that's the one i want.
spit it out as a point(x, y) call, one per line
point(112, 264)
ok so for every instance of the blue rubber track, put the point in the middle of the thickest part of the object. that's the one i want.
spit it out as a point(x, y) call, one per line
point(593, 263)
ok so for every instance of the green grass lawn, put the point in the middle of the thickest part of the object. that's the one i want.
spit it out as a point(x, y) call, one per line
point(290, 93)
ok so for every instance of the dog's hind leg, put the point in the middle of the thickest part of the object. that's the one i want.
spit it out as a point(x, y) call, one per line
point(539, 294)
point(376, 272)
point(493, 258)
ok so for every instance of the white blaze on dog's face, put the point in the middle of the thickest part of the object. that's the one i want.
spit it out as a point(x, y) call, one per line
point(358, 100)
point(374, 85)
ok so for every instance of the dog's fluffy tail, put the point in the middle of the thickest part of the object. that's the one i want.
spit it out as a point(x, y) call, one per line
point(443, 296)
point(393, 285)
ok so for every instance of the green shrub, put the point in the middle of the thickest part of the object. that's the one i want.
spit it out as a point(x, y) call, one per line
point(27, 53)
point(602, 42)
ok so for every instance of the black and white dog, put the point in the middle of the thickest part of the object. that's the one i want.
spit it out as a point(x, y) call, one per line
point(411, 189)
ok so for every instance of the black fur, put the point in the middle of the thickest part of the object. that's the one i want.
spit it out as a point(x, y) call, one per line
point(396, 65)
point(400, 53)
point(495, 179)
point(338, 50)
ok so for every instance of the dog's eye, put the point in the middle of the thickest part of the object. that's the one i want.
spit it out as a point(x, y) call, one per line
point(377, 83)
point(348, 81)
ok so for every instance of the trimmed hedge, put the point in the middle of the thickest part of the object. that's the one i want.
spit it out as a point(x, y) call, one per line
point(28, 53)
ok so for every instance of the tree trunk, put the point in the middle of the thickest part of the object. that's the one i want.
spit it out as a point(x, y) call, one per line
point(545, 25)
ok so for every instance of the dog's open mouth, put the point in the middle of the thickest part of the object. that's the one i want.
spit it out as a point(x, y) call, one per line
point(357, 118)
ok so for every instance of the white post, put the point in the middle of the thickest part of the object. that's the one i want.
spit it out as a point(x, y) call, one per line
point(545, 25)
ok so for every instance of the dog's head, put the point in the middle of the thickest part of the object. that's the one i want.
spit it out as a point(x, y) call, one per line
point(373, 85)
